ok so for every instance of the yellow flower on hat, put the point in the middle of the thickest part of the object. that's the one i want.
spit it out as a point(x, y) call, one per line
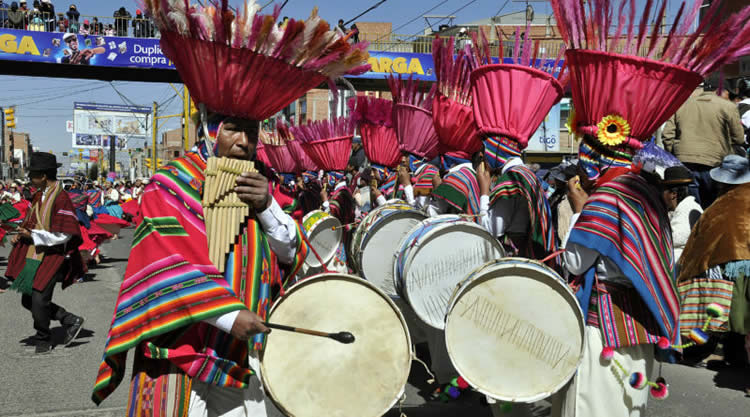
point(613, 130)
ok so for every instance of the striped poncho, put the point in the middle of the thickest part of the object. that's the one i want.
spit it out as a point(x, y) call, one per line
point(95, 198)
point(625, 221)
point(422, 178)
point(460, 190)
point(521, 181)
point(170, 286)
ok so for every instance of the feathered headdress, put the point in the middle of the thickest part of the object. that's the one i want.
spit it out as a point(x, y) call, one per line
point(512, 100)
point(374, 119)
point(412, 116)
point(452, 114)
point(245, 65)
point(327, 142)
point(275, 146)
point(626, 84)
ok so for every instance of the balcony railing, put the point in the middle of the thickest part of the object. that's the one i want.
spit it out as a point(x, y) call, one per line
point(145, 28)
point(135, 27)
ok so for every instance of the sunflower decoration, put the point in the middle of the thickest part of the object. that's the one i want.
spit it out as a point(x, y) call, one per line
point(572, 123)
point(613, 130)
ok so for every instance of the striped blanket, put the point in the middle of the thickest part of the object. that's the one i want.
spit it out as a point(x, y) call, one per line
point(95, 198)
point(461, 191)
point(521, 181)
point(422, 179)
point(170, 286)
point(625, 221)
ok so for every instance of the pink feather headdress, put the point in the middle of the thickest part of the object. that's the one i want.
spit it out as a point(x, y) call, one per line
point(245, 64)
point(512, 100)
point(374, 119)
point(327, 142)
point(626, 85)
point(412, 116)
point(452, 114)
point(275, 147)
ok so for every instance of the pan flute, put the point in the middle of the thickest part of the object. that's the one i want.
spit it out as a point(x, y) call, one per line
point(223, 211)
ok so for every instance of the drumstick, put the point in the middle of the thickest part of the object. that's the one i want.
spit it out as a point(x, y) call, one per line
point(343, 337)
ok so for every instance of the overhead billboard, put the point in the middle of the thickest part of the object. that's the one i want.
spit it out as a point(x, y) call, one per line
point(96, 125)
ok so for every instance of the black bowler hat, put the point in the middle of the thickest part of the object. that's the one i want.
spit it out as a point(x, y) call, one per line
point(43, 161)
point(676, 176)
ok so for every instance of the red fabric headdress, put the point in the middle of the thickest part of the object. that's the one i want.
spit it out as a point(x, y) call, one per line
point(245, 65)
point(622, 89)
point(452, 114)
point(512, 100)
point(412, 116)
point(374, 118)
point(328, 143)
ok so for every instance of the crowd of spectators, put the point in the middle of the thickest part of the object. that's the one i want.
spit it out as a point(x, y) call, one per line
point(41, 17)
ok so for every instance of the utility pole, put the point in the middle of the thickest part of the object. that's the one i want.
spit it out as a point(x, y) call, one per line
point(186, 117)
point(2, 143)
point(154, 128)
point(112, 150)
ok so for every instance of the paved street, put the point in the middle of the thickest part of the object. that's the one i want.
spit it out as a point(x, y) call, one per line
point(59, 384)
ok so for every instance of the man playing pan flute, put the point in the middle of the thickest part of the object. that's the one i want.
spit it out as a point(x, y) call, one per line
point(196, 332)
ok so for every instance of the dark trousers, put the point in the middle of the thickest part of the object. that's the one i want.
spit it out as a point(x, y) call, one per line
point(43, 310)
point(703, 188)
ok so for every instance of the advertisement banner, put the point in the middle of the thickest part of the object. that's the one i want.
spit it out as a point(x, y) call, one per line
point(547, 136)
point(95, 125)
point(69, 48)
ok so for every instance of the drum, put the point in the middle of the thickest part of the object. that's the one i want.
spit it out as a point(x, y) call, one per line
point(376, 239)
point(315, 376)
point(325, 235)
point(515, 330)
point(435, 257)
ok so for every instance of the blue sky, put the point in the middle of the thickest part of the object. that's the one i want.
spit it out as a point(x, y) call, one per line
point(45, 104)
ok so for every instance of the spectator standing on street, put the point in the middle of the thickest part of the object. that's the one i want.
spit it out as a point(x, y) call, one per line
point(341, 27)
point(15, 17)
point(743, 93)
point(355, 35)
point(73, 16)
point(36, 24)
point(109, 31)
point(3, 14)
point(48, 15)
point(62, 27)
point(96, 27)
point(140, 25)
point(703, 131)
point(85, 28)
point(122, 17)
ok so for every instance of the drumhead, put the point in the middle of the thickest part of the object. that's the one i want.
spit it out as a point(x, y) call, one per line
point(315, 376)
point(360, 233)
point(515, 331)
point(436, 256)
point(324, 233)
point(379, 245)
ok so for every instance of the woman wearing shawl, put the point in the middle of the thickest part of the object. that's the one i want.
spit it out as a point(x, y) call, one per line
point(620, 244)
point(715, 265)
point(196, 332)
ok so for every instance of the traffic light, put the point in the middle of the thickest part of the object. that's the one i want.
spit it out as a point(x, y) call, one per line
point(159, 163)
point(148, 162)
point(10, 117)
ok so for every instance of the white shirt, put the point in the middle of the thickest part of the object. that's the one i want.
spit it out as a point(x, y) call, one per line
point(745, 116)
point(578, 259)
point(45, 238)
point(281, 232)
point(505, 213)
point(418, 202)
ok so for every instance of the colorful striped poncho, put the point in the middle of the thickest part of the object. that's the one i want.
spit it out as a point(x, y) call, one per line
point(521, 181)
point(170, 286)
point(624, 220)
point(95, 198)
point(422, 179)
point(461, 191)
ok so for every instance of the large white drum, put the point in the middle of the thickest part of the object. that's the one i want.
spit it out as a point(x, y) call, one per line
point(376, 240)
point(435, 256)
point(515, 330)
point(325, 235)
point(315, 376)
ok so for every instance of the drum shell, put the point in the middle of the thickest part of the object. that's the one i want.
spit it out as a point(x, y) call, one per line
point(539, 318)
point(325, 234)
point(382, 360)
point(411, 278)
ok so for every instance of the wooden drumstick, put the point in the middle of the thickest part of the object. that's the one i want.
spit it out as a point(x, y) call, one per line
point(342, 337)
